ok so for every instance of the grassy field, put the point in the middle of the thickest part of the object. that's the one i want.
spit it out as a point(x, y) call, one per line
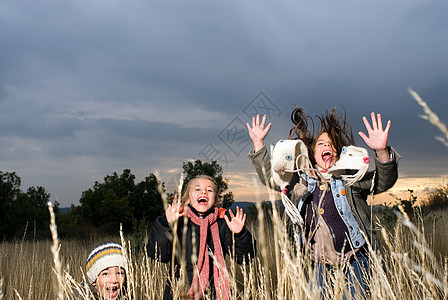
point(411, 265)
point(412, 262)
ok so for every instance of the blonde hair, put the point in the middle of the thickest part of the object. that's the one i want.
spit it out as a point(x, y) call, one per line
point(189, 184)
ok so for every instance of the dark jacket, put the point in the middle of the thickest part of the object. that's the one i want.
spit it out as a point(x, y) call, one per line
point(386, 174)
point(160, 245)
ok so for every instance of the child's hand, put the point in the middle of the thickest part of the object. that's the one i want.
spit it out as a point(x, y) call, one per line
point(377, 139)
point(237, 223)
point(173, 213)
point(258, 132)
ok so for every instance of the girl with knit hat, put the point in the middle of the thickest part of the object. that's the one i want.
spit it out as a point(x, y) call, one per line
point(325, 193)
point(106, 271)
point(201, 226)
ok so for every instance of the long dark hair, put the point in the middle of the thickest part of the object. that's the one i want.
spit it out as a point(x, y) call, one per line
point(301, 128)
point(334, 123)
point(339, 131)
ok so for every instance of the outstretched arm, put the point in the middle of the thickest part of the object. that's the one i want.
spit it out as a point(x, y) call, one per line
point(258, 132)
point(377, 137)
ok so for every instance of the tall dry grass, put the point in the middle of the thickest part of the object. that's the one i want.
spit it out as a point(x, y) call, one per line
point(405, 268)
point(431, 116)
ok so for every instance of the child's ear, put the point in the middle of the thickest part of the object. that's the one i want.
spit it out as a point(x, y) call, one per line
point(94, 283)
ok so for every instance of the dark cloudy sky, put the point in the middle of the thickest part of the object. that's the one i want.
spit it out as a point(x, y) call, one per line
point(92, 87)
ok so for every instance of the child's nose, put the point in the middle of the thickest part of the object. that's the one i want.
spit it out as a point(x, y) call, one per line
point(113, 278)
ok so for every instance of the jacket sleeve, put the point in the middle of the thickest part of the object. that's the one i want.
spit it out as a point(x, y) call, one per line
point(159, 242)
point(262, 163)
point(386, 174)
point(244, 246)
point(243, 242)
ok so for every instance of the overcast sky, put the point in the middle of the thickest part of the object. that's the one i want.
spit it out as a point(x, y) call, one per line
point(92, 87)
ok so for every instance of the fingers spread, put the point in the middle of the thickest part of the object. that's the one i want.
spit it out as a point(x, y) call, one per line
point(380, 122)
point(366, 123)
point(374, 124)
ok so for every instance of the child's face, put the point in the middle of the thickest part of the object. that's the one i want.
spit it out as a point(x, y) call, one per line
point(202, 194)
point(324, 153)
point(109, 282)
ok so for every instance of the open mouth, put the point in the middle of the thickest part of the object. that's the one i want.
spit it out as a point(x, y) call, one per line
point(202, 200)
point(112, 291)
point(327, 156)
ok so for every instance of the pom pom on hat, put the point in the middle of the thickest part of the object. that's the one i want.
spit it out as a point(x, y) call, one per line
point(103, 257)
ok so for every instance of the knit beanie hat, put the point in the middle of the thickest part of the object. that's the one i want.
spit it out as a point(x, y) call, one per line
point(103, 257)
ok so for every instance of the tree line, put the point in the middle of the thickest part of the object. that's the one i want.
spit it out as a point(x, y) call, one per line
point(117, 200)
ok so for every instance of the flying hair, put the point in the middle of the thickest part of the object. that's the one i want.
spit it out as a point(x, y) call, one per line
point(339, 131)
point(301, 130)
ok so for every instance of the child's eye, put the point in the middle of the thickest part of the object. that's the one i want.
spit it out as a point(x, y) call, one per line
point(210, 190)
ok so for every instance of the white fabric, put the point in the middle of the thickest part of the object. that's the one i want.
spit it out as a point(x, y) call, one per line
point(353, 159)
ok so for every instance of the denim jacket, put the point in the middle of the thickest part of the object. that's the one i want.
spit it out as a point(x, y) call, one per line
point(352, 206)
point(342, 205)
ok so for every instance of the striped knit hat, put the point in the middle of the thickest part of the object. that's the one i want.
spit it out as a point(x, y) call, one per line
point(103, 257)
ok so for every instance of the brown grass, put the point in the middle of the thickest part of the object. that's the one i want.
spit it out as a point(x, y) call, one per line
point(406, 268)
point(412, 263)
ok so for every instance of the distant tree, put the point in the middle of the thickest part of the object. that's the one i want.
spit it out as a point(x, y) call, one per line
point(114, 211)
point(22, 214)
point(89, 209)
point(9, 190)
point(437, 198)
point(106, 204)
point(253, 211)
point(9, 185)
point(117, 200)
point(213, 169)
point(30, 210)
point(146, 201)
point(227, 200)
point(122, 185)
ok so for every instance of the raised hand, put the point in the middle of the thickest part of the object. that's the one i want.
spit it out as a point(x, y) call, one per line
point(174, 212)
point(258, 131)
point(238, 221)
point(377, 137)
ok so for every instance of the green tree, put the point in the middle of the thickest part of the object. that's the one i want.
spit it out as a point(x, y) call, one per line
point(437, 198)
point(30, 210)
point(9, 190)
point(114, 211)
point(117, 200)
point(213, 169)
point(146, 201)
point(22, 214)
point(106, 205)
point(89, 209)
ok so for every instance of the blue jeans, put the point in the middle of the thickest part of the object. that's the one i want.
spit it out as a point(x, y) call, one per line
point(356, 275)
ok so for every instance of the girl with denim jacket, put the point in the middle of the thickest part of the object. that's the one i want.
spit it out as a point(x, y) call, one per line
point(334, 213)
